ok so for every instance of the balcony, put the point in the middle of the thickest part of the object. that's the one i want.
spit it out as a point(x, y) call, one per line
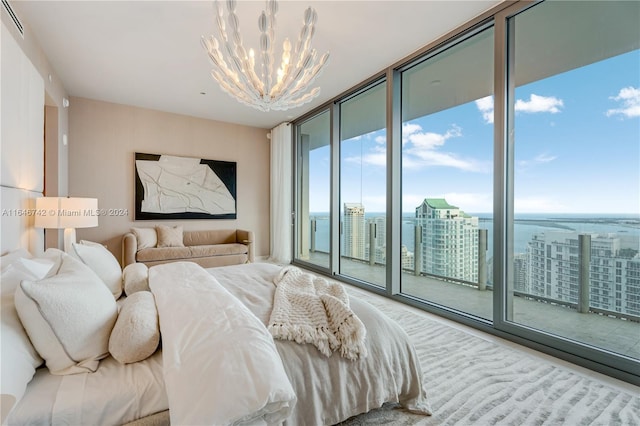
point(614, 334)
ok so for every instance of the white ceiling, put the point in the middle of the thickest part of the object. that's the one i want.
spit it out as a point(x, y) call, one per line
point(148, 53)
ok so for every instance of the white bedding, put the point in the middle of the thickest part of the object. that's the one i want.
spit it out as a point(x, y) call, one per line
point(220, 363)
point(114, 394)
point(329, 390)
point(333, 389)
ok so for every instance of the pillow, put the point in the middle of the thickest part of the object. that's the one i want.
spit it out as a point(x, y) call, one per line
point(136, 278)
point(8, 258)
point(102, 262)
point(136, 334)
point(169, 236)
point(38, 268)
point(19, 357)
point(68, 317)
point(147, 237)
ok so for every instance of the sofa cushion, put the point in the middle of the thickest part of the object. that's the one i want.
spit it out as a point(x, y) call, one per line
point(169, 236)
point(209, 237)
point(145, 237)
point(218, 250)
point(173, 253)
point(164, 253)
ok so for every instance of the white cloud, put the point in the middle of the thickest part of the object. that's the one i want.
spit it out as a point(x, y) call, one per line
point(381, 139)
point(485, 105)
point(423, 150)
point(629, 97)
point(538, 159)
point(538, 103)
point(544, 158)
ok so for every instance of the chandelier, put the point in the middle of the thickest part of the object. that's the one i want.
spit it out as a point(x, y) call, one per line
point(235, 69)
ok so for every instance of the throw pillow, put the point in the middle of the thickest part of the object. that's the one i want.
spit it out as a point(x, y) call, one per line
point(8, 258)
point(136, 334)
point(136, 278)
point(146, 237)
point(102, 262)
point(68, 317)
point(169, 236)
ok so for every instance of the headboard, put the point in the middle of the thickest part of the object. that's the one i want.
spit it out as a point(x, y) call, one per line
point(16, 228)
point(22, 171)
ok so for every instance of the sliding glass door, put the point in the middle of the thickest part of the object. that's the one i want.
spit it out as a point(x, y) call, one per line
point(313, 151)
point(363, 194)
point(575, 252)
point(493, 178)
point(447, 176)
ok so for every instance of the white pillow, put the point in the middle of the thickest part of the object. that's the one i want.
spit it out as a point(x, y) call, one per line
point(147, 237)
point(170, 236)
point(136, 278)
point(38, 268)
point(102, 262)
point(19, 357)
point(8, 258)
point(136, 334)
point(68, 317)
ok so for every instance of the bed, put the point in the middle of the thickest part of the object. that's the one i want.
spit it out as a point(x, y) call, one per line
point(326, 390)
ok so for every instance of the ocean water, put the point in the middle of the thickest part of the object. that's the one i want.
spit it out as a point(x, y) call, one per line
point(525, 226)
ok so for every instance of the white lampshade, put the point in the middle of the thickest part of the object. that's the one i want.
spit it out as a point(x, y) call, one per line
point(66, 212)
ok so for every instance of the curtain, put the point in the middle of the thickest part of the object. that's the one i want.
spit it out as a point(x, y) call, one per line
point(281, 192)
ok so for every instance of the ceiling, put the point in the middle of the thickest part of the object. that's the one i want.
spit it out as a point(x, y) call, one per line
point(148, 53)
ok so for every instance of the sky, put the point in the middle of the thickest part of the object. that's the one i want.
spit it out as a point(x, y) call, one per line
point(577, 150)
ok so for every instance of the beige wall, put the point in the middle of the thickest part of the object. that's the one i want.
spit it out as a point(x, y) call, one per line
point(102, 142)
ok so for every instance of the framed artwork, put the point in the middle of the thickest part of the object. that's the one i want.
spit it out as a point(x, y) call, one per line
point(171, 187)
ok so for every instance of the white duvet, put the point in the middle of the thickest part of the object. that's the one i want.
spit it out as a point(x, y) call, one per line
point(220, 363)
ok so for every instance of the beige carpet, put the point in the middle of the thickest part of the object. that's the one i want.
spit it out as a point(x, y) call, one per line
point(473, 381)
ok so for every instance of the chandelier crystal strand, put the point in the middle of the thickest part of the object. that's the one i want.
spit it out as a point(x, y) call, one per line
point(235, 67)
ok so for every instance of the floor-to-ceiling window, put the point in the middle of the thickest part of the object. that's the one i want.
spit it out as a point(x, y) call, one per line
point(313, 151)
point(447, 176)
point(494, 178)
point(363, 192)
point(575, 108)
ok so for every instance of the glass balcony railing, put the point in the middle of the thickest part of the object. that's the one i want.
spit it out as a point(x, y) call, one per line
point(575, 311)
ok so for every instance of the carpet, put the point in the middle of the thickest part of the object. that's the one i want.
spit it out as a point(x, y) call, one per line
point(472, 381)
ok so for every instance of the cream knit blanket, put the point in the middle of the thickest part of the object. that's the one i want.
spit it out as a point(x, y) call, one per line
point(310, 309)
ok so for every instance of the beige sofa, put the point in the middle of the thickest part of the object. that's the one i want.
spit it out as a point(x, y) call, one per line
point(206, 248)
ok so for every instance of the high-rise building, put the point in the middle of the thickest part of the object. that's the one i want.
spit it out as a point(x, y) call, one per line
point(449, 240)
point(354, 231)
point(614, 270)
point(521, 272)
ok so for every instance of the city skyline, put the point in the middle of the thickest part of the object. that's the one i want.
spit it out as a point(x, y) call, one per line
point(574, 139)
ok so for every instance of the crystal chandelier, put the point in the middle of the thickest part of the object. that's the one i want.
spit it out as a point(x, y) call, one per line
point(235, 68)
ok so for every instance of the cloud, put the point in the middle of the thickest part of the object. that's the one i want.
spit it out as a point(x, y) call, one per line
point(422, 149)
point(629, 97)
point(538, 159)
point(485, 105)
point(538, 103)
point(535, 104)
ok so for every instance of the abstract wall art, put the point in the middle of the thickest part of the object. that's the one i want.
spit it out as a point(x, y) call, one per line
point(171, 187)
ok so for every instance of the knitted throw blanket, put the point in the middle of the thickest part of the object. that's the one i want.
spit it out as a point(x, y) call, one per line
point(310, 309)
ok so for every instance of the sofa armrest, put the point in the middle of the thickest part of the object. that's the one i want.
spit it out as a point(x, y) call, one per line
point(247, 238)
point(129, 249)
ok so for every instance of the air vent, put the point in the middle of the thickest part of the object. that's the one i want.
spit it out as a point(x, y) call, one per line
point(13, 16)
